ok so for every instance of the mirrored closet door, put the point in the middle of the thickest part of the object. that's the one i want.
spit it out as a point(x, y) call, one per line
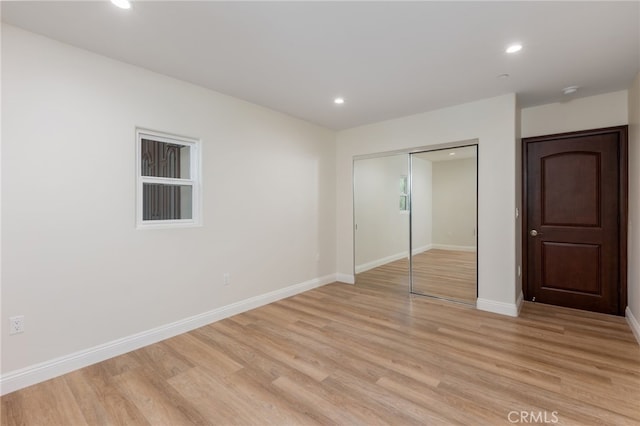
point(444, 223)
point(415, 218)
point(381, 221)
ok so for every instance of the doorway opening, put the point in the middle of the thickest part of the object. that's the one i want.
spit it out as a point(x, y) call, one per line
point(575, 219)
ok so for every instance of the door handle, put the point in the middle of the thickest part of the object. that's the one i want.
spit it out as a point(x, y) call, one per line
point(534, 233)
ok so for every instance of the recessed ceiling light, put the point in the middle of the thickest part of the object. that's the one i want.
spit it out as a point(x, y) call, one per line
point(338, 101)
point(569, 90)
point(452, 153)
point(516, 47)
point(122, 4)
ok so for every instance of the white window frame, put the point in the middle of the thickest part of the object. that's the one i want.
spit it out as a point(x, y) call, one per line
point(194, 180)
point(404, 194)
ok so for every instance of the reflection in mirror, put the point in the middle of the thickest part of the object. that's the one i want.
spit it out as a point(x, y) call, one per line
point(443, 223)
point(381, 221)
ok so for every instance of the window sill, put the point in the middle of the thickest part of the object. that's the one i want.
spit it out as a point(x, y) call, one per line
point(168, 224)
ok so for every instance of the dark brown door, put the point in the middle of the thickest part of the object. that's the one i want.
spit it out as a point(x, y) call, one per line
point(575, 218)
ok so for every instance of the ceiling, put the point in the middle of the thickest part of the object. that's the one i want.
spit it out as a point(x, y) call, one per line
point(387, 59)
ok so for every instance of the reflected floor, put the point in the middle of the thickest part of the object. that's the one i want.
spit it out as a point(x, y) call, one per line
point(447, 274)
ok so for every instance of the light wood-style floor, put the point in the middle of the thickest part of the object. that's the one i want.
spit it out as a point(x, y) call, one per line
point(369, 354)
point(446, 274)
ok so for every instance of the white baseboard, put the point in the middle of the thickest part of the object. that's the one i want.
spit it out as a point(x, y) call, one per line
point(422, 249)
point(379, 262)
point(502, 308)
point(452, 247)
point(388, 259)
point(37, 373)
point(346, 278)
point(633, 323)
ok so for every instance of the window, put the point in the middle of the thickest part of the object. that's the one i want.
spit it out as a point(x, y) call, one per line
point(168, 175)
point(404, 193)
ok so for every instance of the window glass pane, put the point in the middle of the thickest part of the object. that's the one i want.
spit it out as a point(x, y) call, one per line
point(403, 203)
point(166, 202)
point(404, 185)
point(168, 160)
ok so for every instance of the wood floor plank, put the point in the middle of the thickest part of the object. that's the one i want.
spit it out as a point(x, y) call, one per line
point(211, 395)
point(91, 405)
point(203, 355)
point(167, 360)
point(369, 354)
point(120, 409)
point(156, 399)
point(317, 400)
point(265, 402)
point(51, 402)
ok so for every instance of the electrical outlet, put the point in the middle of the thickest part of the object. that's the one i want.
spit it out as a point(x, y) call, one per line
point(16, 324)
point(226, 278)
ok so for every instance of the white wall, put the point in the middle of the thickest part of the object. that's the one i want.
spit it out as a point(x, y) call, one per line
point(633, 312)
point(383, 230)
point(454, 203)
point(422, 204)
point(72, 261)
point(492, 122)
point(592, 112)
